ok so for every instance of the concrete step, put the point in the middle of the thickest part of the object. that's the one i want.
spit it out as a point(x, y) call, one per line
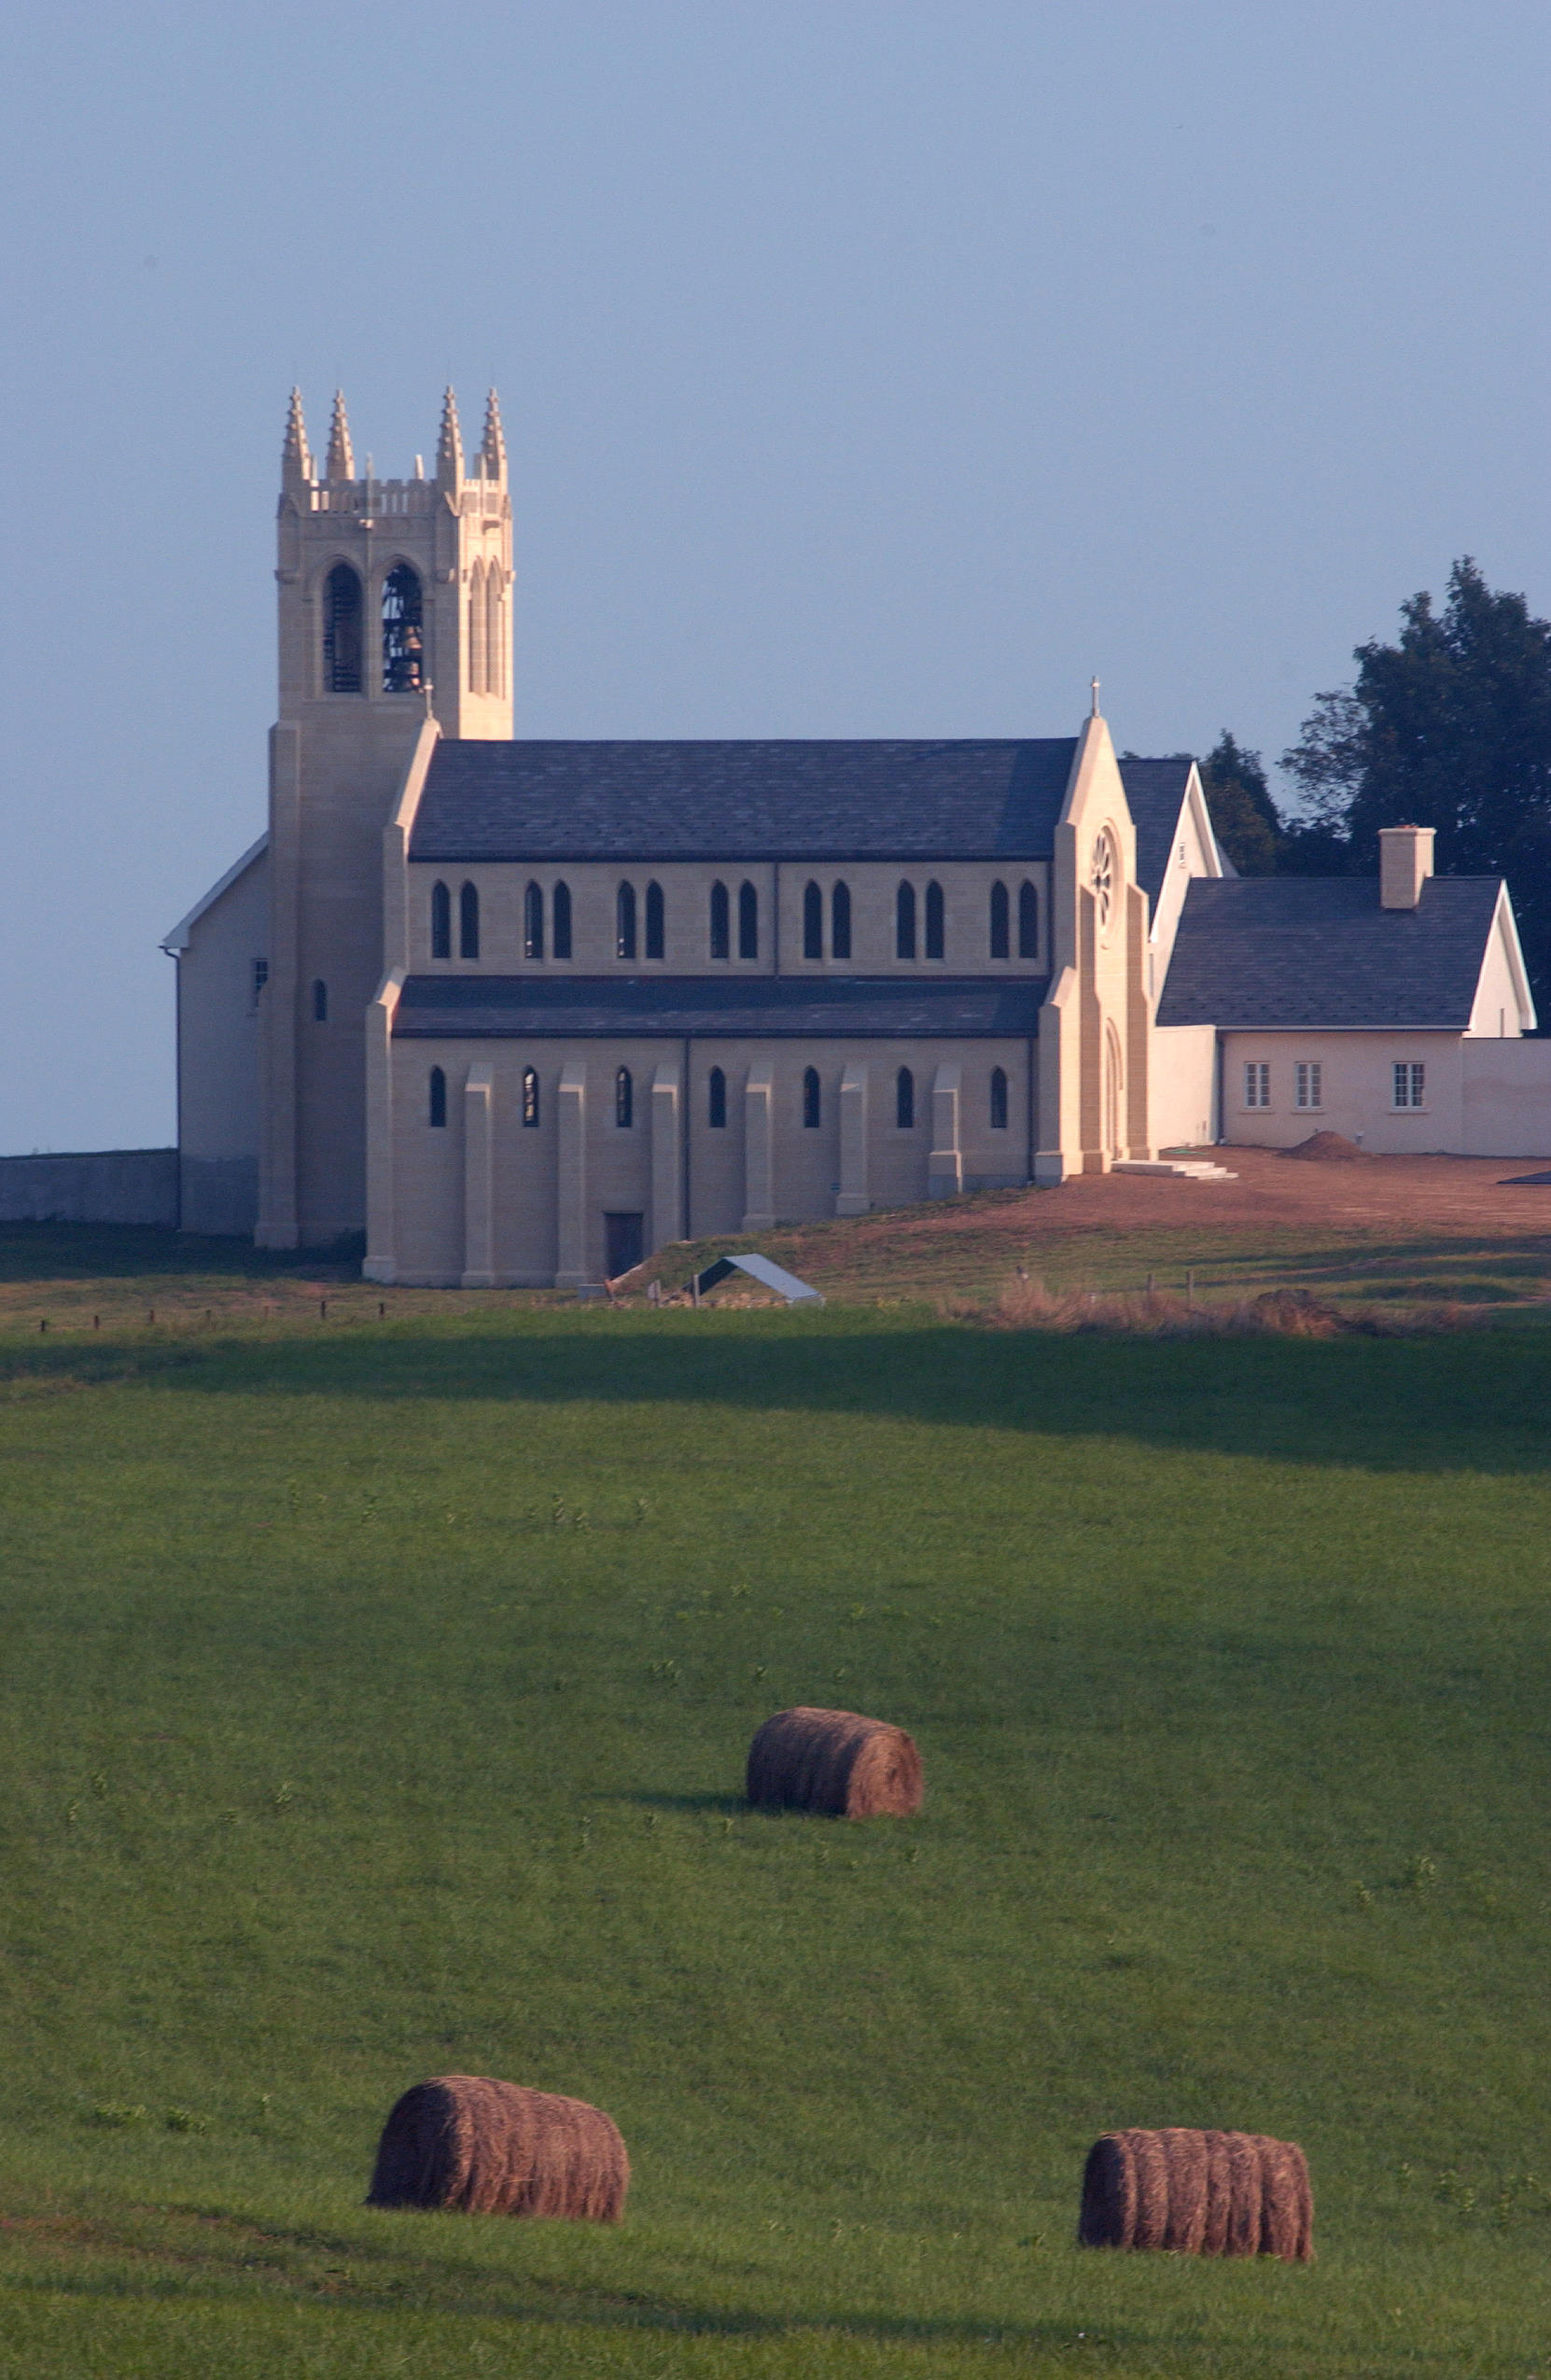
point(1182, 1169)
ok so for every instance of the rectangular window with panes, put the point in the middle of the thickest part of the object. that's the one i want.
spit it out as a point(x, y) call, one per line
point(1309, 1082)
point(1257, 1083)
point(1410, 1083)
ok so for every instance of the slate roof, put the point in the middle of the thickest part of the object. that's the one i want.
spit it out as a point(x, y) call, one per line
point(1317, 953)
point(1155, 795)
point(748, 800)
point(766, 1007)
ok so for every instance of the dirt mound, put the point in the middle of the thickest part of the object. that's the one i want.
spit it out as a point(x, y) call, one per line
point(1328, 1148)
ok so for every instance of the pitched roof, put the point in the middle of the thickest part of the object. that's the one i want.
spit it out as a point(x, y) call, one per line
point(178, 938)
point(759, 1007)
point(748, 800)
point(1155, 795)
point(1306, 953)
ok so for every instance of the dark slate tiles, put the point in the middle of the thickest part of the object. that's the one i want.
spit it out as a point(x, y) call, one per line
point(816, 801)
point(1306, 953)
point(763, 1007)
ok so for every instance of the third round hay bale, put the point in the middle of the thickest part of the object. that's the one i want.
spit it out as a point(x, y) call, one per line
point(1198, 2193)
point(481, 2147)
point(837, 1762)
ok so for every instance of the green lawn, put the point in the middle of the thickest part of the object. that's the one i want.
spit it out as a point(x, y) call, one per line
point(374, 1699)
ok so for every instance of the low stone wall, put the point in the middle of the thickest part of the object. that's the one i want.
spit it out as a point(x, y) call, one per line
point(97, 1185)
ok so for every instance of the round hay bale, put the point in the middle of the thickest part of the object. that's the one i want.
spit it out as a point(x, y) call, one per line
point(1198, 2193)
point(488, 2147)
point(834, 1761)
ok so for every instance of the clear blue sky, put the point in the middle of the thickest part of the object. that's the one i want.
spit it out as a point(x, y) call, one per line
point(870, 367)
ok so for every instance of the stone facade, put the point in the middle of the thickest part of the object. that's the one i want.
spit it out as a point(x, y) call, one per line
point(525, 1012)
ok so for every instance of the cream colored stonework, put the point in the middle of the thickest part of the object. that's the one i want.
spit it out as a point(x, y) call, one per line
point(338, 766)
point(306, 1082)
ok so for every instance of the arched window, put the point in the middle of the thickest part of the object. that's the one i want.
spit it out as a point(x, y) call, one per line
point(624, 1100)
point(810, 1100)
point(656, 921)
point(624, 922)
point(495, 630)
point(813, 922)
point(560, 919)
point(999, 1099)
point(530, 1095)
point(721, 932)
point(904, 922)
point(904, 1100)
point(716, 1100)
point(341, 631)
point(468, 923)
point(476, 629)
point(1028, 922)
point(935, 921)
point(437, 1104)
point(840, 922)
point(403, 640)
point(533, 922)
point(320, 1003)
point(749, 922)
point(1002, 940)
point(441, 922)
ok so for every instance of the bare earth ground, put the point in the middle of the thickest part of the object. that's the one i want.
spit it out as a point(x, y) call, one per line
point(1411, 1231)
point(1407, 1234)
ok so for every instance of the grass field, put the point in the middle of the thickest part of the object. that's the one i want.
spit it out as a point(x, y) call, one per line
point(373, 1704)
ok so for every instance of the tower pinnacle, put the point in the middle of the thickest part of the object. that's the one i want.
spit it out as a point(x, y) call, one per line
point(449, 445)
point(493, 445)
point(296, 462)
point(341, 462)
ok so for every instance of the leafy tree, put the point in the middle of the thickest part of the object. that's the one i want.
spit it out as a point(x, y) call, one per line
point(1448, 728)
point(1242, 810)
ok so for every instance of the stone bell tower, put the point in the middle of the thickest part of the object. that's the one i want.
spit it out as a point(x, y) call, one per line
point(394, 606)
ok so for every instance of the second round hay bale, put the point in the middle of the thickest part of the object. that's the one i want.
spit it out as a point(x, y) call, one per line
point(836, 1762)
point(469, 2142)
point(1198, 2193)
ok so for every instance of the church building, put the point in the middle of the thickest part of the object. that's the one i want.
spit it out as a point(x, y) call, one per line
point(524, 1011)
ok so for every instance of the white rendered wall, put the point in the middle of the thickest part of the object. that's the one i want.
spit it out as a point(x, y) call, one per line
point(1184, 1081)
point(1357, 1091)
point(1506, 1098)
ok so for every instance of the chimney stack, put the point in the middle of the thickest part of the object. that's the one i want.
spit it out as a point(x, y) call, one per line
point(1404, 865)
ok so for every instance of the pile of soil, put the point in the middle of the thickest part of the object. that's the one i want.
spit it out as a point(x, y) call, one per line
point(1328, 1148)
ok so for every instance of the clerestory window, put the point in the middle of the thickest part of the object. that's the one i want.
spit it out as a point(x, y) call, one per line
point(813, 922)
point(936, 921)
point(1001, 926)
point(840, 922)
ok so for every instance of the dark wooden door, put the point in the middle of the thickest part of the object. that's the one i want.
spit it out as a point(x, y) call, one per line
point(624, 1243)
